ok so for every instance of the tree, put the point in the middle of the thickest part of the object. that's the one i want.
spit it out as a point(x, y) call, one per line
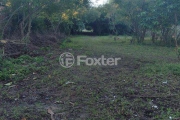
point(165, 20)
point(131, 12)
point(96, 18)
point(31, 15)
point(24, 11)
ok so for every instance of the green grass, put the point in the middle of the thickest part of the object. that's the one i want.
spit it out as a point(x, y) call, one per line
point(108, 45)
point(17, 69)
point(147, 76)
point(162, 69)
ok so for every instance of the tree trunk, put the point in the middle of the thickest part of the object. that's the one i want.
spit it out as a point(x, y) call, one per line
point(29, 30)
point(153, 36)
point(22, 27)
point(175, 35)
point(164, 35)
point(142, 35)
point(136, 32)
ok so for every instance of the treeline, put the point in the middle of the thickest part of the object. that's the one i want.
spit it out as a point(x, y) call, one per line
point(20, 18)
point(157, 18)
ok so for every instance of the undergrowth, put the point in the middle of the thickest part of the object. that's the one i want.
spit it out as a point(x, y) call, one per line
point(17, 69)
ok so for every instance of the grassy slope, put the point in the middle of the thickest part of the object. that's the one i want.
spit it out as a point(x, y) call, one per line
point(135, 89)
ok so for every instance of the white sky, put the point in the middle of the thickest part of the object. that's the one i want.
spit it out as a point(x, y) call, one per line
point(98, 2)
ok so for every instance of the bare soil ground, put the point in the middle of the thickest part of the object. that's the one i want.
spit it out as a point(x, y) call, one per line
point(84, 92)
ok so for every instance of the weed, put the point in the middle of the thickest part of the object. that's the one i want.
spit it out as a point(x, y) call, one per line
point(17, 69)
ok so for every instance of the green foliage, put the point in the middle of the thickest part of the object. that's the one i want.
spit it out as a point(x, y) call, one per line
point(17, 69)
point(70, 45)
point(153, 15)
point(138, 16)
point(161, 69)
point(168, 114)
point(178, 52)
point(43, 15)
point(105, 20)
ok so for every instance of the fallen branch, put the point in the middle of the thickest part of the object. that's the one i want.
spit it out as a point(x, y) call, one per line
point(13, 55)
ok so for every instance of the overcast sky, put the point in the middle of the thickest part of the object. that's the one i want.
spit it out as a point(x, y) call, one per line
point(98, 2)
